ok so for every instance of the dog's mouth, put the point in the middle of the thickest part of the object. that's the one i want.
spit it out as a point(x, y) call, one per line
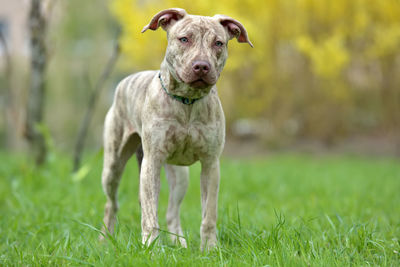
point(199, 83)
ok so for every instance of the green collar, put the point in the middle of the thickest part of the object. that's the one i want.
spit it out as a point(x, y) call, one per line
point(183, 100)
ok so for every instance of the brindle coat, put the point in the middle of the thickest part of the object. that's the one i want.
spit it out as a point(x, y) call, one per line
point(170, 132)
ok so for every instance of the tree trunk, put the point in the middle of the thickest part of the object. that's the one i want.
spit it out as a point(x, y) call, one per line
point(9, 128)
point(36, 96)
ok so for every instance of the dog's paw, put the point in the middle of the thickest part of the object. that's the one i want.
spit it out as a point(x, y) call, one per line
point(102, 238)
point(150, 239)
point(179, 241)
point(182, 242)
point(103, 234)
point(209, 244)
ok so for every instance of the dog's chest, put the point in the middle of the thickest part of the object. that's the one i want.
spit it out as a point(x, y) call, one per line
point(186, 144)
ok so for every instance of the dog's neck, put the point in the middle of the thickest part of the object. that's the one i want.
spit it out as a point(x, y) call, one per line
point(177, 87)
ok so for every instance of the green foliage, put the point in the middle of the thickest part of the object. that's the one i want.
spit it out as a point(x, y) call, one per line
point(285, 210)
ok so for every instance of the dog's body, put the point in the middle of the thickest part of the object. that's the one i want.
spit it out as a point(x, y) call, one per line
point(176, 116)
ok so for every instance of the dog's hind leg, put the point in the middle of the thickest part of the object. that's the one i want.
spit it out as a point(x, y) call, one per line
point(178, 179)
point(119, 145)
point(139, 158)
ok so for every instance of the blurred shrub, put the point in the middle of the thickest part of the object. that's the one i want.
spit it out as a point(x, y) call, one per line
point(328, 65)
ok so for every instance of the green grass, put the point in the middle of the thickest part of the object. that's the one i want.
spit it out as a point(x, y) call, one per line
point(283, 210)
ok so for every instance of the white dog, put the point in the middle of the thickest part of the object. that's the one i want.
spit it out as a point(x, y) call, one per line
point(176, 116)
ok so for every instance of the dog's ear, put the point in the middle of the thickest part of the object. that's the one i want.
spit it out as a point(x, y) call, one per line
point(165, 19)
point(234, 28)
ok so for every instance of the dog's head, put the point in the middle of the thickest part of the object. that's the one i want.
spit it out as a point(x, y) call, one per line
point(197, 45)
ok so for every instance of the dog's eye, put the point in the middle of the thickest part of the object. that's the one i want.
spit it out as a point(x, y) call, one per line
point(184, 40)
point(219, 43)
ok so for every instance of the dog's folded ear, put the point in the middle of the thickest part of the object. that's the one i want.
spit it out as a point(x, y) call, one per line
point(234, 28)
point(165, 19)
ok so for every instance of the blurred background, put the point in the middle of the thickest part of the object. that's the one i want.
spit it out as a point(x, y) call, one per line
point(322, 76)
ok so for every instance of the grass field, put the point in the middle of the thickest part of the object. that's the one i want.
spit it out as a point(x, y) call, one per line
point(282, 210)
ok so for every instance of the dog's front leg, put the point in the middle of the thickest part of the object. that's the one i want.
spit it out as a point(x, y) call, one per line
point(209, 201)
point(149, 192)
point(178, 180)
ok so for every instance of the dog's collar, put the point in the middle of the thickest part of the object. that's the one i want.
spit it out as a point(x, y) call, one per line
point(183, 100)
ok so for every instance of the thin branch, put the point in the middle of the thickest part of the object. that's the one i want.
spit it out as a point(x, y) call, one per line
point(83, 130)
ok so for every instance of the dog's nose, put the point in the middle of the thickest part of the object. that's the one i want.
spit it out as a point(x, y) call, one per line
point(201, 67)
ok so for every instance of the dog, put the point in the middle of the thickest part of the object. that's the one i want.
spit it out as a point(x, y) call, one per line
point(172, 117)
